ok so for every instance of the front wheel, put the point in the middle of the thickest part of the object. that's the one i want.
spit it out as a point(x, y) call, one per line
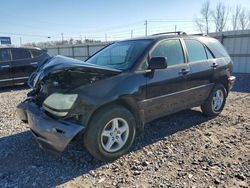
point(110, 133)
point(215, 103)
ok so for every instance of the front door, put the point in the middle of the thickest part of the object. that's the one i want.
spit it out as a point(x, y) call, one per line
point(165, 91)
point(5, 67)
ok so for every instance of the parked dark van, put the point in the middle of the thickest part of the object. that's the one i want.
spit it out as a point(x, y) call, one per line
point(17, 64)
point(106, 99)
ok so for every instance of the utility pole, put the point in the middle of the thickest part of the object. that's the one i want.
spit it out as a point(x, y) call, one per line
point(106, 37)
point(62, 38)
point(146, 27)
point(131, 33)
point(20, 41)
point(175, 28)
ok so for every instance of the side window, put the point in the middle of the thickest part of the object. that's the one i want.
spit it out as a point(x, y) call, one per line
point(20, 54)
point(171, 50)
point(196, 50)
point(4, 55)
point(36, 53)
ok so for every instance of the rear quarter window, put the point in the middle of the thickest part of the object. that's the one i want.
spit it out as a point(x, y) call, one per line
point(216, 47)
point(36, 53)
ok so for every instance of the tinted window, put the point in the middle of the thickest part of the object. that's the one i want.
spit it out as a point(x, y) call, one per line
point(20, 54)
point(36, 53)
point(171, 50)
point(4, 55)
point(196, 50)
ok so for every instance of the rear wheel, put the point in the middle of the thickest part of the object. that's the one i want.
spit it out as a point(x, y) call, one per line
point(215, 102)
point(110, 133)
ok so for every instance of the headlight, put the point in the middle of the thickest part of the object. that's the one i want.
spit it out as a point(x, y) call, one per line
point(59, 104)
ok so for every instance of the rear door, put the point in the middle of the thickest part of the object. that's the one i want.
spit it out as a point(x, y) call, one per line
point(5, 67)
point(21, 64)
point(165, 88)
point(201, 62)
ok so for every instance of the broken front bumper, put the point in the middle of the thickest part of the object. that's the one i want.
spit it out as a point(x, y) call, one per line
point(51, 134)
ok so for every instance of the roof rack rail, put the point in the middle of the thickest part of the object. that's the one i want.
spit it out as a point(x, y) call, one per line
point(173, 32)
point(200, 34)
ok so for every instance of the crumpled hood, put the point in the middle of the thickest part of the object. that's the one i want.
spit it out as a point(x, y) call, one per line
point(62, 63)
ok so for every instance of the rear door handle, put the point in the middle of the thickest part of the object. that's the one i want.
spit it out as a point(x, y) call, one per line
point(34, 63)
point(214, 65)
point(5, 66)
point(184, 71)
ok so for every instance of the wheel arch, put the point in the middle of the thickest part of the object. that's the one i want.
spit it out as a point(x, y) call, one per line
point(224, 81)
point(128, 103)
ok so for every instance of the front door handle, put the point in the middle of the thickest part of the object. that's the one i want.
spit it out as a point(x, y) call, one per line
point(214, 65)
point(5, 66)
point(184, 71)
point(34, 63)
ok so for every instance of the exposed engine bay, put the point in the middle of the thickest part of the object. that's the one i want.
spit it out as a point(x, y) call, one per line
point(63, 76)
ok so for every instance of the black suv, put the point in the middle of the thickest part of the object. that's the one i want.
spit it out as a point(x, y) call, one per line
point(125, 85)
point(17, 64)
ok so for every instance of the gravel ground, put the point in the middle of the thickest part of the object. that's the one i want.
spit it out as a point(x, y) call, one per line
point(182, 150)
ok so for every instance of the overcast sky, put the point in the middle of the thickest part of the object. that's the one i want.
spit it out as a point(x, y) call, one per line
point(37, 20)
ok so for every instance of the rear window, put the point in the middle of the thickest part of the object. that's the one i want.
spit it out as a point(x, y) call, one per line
point(20, 54)
point(36, 53)
point(216, 47)
point(4, 55)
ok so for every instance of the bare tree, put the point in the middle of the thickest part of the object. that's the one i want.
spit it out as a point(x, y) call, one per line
point(220, 16)
point(205, 13)
point(244, 17)
point(235, 17)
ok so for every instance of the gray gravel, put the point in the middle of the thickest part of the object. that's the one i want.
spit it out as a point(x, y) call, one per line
point(182, 150)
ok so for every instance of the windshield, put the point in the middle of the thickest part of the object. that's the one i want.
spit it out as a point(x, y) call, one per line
point(120, 55)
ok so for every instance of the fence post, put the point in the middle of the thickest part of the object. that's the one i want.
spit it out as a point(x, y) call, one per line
point(58, 50)
point(73, 51)
point(222, 38)
point(88, 51)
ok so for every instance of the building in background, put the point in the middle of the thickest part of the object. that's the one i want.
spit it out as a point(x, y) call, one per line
point(5, 40)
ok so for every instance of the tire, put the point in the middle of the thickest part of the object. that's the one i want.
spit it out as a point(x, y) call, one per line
point(211, 107)
point(97, 136)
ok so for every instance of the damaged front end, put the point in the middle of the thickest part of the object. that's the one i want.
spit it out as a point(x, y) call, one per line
point(50, 107)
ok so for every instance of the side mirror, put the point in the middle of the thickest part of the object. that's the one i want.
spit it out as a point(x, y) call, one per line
point(157, 63)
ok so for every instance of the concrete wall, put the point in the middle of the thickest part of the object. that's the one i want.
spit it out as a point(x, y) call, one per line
point(237, 44)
